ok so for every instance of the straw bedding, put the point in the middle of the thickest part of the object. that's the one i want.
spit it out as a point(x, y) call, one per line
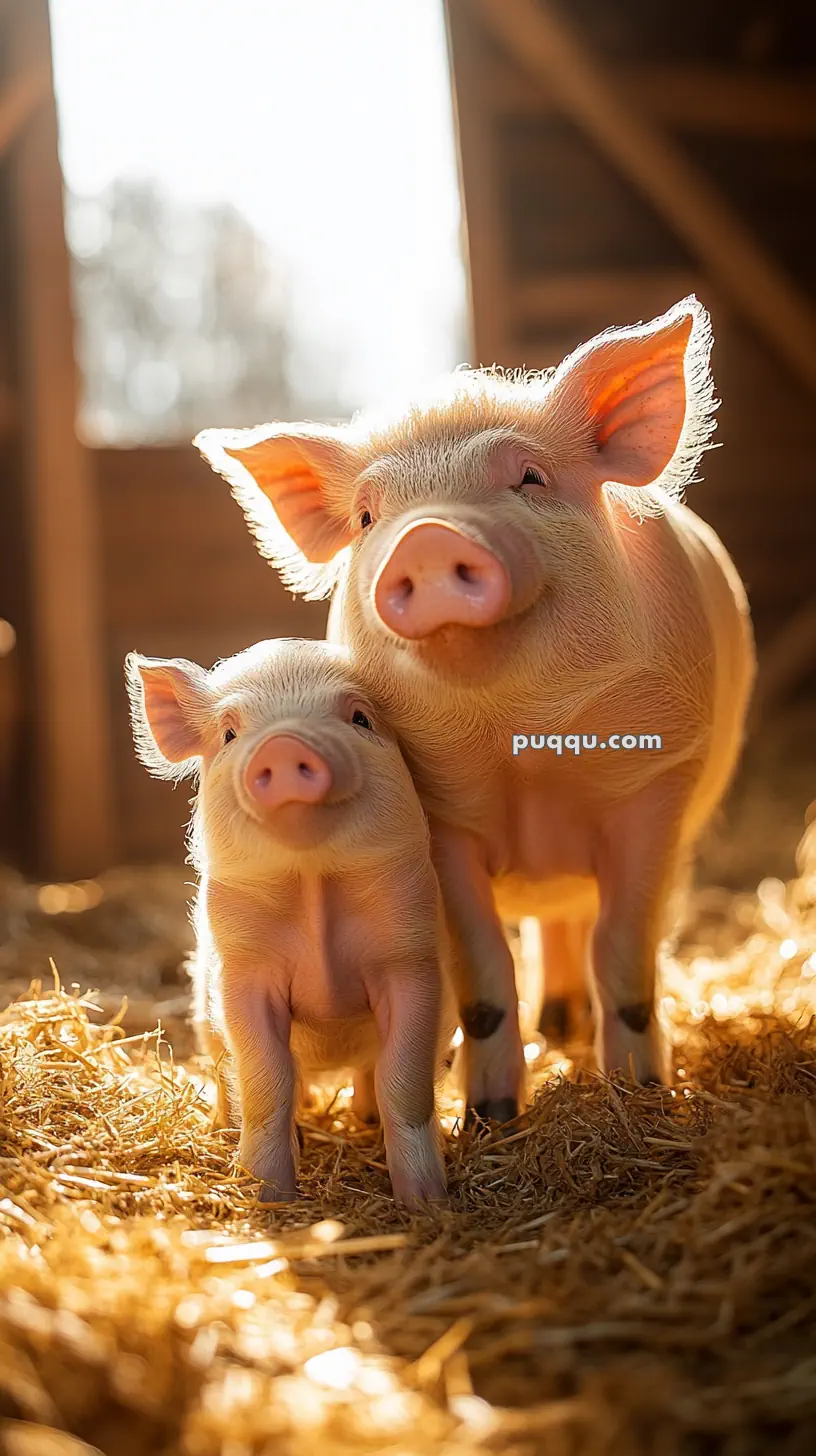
point(623, 1271)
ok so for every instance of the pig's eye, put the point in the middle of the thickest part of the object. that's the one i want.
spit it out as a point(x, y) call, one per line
point(360, 720)
point(229, 736)
point(532, 476)
point(366, 520)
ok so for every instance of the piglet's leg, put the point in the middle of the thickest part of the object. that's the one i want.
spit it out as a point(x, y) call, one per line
point(213, 1045)
point(209, 1039)
point(258, 1032)
point(637, 864)
point(484, 979)
point(407, 1010)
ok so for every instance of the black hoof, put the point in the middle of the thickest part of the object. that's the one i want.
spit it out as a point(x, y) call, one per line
point(495, 1109)
point(554, 1023)
point(563, 1020)
point(636, 1016)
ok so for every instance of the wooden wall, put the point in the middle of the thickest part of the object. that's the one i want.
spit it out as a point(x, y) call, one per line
point(61, 817)
point(181, 578)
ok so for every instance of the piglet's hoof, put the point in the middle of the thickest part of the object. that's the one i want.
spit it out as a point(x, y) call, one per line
point(272, 1193)
point(493, 1109)
point(416, 1194)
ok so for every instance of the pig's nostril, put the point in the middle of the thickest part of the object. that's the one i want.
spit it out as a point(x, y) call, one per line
point(466, 573)
point(406, 588)
point(264, 778)
point(305, 769)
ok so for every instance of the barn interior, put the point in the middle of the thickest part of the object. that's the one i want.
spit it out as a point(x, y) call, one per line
point(623, 1270)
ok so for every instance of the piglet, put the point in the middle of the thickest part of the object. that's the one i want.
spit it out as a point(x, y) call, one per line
point(318, 918)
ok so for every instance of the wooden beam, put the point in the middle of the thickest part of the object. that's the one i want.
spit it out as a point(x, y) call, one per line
point(641, 293)
point(785, 661)
point(478, 174)
point(19, 100)
point(8, 410)
point(689, 98)
point(548, 51)
point(71, 748)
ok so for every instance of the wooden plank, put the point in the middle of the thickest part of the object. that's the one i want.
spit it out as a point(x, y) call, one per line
point(548, 51)
point(8, 409)
point(689, 98)
point(71, 756)
point(639, 294)
point(162, 510)
point(19, 100)
point(478, 174)
point(788, 657)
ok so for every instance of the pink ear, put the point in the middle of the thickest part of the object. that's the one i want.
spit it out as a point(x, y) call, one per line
point(631, 387)
point(170, 705)
point(305, 472)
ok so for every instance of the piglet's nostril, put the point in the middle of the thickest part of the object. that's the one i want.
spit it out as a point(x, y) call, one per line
point(466, 573)
point(285, 770)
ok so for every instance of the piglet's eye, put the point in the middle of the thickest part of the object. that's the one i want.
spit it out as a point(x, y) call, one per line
point(532, 476)
point(229, 736)
point(360, 720)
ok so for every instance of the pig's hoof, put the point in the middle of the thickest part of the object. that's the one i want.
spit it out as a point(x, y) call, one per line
point(364, 1101)
point(272, 1193)
point(563, 1020)
point(493, 1109)
point(630, 1045)
point(418, 1193)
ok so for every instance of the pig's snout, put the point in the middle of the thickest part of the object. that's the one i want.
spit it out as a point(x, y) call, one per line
point(436, 576)
point(285, 770)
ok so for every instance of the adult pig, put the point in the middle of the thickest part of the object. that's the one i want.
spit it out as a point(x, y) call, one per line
point(510, 558)
point(319, 922)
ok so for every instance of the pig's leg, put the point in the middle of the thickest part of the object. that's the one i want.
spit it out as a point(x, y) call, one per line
point(364, 1101)
point(638, 859)
point(484, 980)
point(565, 949)
point(258, 1031)
point(208, 1037)
point(407, 1008)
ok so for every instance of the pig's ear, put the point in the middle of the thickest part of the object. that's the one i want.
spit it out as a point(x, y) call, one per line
point(170, 707)
point(642, 399)
point(294, 484)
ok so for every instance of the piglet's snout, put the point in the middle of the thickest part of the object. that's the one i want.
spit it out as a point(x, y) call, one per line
point(436, 577)
point(285, 770)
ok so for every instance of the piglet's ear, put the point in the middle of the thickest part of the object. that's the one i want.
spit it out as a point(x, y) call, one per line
point(646, 397)
point(294, 484)
point(170, 706)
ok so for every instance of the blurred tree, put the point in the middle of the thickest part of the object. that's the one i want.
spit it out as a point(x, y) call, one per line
point(182, 319)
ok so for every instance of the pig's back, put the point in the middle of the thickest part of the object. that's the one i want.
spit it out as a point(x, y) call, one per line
point(725, 606)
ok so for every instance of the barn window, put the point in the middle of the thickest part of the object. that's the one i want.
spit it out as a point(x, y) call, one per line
point(262, 208)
